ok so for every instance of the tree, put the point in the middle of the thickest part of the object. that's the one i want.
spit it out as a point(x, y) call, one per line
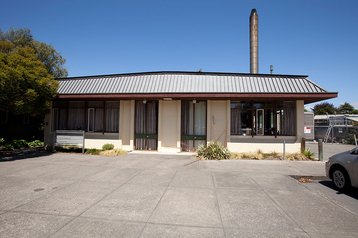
point(46, 53)
point(27, 71)
point(346, 108)
point(324, 108)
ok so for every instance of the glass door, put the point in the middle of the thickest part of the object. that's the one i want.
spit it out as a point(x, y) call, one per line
point(260, 122)
point(193, 124)
point(146, 125)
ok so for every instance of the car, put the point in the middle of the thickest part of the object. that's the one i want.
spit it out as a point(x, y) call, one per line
point(342, 168)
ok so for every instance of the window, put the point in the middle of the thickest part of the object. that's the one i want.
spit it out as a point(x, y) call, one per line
point(193, 124)
point(112, 117)
point(249, 118)
point(91, 116)
point(95, 116)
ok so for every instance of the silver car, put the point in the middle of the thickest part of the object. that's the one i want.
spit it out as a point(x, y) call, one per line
point(342, 168)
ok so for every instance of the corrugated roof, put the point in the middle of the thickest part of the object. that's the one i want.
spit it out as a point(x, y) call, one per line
point(187, 82)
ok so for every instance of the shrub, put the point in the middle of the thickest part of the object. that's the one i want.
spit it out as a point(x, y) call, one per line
point(308, 154)
point(2, 141)
point(113, 152)
point(68, 148)
point(18, 144)
point(107, 147)
point(36, 143)
point(248, 155)
point(93, 151)
point(213, 151)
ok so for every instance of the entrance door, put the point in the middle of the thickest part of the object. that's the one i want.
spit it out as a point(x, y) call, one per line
point(193, 124)
point(260, 122)
point(146, 125)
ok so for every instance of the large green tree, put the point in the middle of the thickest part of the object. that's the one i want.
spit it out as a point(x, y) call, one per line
point(346, 108)
point(27, 71)
point(324, 108)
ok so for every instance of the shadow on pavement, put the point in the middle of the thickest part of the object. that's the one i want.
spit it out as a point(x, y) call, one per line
point(26, 154)
point(352, 192)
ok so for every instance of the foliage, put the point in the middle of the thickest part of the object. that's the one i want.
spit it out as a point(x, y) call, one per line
point(93, 151)
point(248, 155)
point(113, 152)
point(309, 154)
point(52, 59)
point(2, 141)
point(27, 71)
point(324, 108)
point(213, 151)
point(19, 144)
point(259, 155)
point(68, 149)
point(36, 143)
point(346, 108)
point(328, 108)
point(107, 147)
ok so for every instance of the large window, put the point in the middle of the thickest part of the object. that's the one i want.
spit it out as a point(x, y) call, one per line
point(250, 118)
point(91, 116)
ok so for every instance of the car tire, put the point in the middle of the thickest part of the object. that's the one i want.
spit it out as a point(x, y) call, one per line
point(341, 179)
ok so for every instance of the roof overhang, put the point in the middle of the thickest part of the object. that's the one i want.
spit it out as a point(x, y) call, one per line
point(306, 97)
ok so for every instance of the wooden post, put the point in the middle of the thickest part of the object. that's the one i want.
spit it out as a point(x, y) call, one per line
point(320, 150)
point(303, 145)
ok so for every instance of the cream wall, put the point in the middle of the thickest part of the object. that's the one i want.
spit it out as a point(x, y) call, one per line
point(300, 118)
point(169, 126)
point(264, 147)
point(98, 143)
point(126, 124)
point(218, 128)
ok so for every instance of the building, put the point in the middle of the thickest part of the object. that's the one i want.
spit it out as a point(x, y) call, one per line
point(178, 111)
point(336, 127)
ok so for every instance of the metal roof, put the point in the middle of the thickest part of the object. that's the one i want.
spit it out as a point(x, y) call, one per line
point(187, 82)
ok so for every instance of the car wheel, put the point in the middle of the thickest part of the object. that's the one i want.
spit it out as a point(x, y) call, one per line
point(340, 179)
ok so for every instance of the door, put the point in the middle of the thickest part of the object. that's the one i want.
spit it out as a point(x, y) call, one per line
point(260, 122)
point(146, 125)
point(193, 124)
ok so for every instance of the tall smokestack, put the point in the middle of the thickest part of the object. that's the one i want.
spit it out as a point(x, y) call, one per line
point(254, 42)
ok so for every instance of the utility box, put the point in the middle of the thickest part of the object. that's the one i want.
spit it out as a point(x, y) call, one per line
point(308, 130)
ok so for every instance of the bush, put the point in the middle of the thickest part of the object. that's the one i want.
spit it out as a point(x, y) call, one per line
point(308, 154)
point(93, 151)
point(68, 149)
point(213, 151)
point(248, 155)
point(36, 143)
point(107, 147)
point(19, 144)
point(113, 152)
point(2, 141)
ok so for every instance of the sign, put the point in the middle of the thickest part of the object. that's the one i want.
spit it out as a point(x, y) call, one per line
point(307, 130)
point(67, 137)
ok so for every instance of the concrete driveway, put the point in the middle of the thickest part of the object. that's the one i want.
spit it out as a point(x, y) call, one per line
point(152, 195)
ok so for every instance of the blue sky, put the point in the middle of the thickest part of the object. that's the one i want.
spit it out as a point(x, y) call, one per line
point(316, 38)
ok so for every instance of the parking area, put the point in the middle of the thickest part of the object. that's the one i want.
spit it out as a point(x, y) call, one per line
point(329, 149)
point(155, 195)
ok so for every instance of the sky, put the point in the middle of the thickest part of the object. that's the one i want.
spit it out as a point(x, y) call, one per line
point(315, 38)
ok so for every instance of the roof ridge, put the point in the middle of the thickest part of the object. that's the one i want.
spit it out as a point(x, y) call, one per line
point(184, 73)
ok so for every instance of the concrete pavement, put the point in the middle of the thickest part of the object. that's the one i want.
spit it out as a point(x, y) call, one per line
point(153, 195)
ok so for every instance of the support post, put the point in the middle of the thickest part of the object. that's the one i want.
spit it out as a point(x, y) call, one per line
point(284, 150)
point(303, 145)
point(320, 150)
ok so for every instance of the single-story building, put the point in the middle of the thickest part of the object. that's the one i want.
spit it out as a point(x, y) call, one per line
point(178, 111)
